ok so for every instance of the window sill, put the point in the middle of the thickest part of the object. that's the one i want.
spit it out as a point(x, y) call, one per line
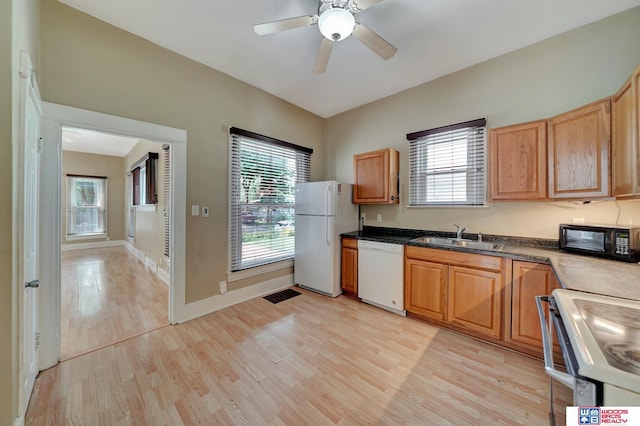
point(102, 236)
point(449, 206)
point(146, 208)
point(258, 270)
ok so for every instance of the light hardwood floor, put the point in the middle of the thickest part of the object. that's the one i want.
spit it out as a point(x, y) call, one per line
point(108, 295)
point(308, 360)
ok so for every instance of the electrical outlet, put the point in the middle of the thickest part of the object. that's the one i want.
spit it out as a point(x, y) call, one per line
point(205, 212)
point(379, 217)
point(363, 216)
point(223, 287)
point(195, 210)
point(578, 220)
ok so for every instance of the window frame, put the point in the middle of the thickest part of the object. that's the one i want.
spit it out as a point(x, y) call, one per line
point(144, 184)
point(100, 206)
point(237, 269)
point(474, 169)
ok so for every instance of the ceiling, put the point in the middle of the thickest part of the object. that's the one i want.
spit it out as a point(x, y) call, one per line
point(433, 37)
point(83, 140)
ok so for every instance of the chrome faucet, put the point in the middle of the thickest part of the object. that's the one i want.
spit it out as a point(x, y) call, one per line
point(459, 231)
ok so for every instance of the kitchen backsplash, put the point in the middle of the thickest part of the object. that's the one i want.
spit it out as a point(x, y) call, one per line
point(530, 219)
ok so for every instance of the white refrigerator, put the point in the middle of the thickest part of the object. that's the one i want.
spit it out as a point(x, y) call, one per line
point(324, 210)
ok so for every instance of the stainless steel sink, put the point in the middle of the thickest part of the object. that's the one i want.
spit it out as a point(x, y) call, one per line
point(454, 242)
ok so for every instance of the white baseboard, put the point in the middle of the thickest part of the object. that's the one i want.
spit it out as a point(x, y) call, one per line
point(93, 244)
point(164, 275)
point(149, 263)
point(221, 301)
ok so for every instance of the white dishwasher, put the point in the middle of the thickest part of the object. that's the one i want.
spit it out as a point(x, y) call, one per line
point(381, 275)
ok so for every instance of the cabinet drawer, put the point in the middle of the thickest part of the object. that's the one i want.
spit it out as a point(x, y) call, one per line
point(491, 263)
point(350, 243)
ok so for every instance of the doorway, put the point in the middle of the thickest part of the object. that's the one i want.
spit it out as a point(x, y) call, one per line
point(56, 117)
point(115, 264)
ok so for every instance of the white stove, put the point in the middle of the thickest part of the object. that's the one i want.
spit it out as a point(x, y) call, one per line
point(600, 341)
point(604, 333)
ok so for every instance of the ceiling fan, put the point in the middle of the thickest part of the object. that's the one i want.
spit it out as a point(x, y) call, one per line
point(336, 21)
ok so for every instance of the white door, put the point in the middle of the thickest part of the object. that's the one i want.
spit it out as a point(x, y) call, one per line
point(315, 260)
point(28, 235)
point(316, 198)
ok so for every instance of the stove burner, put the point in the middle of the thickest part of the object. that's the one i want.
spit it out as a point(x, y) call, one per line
point(627, 354)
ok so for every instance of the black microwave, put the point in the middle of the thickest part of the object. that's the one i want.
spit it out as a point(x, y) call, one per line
point(607, 241)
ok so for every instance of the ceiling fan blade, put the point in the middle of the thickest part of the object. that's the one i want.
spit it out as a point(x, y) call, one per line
point(323, 56)
point(285, 24)
point(358, 6)
point(373, 41)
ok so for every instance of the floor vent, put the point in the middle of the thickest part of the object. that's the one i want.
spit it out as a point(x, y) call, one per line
point(282, 295)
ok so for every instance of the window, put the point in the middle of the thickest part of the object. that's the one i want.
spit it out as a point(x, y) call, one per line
point(143, 174)
point(262, 176)
point(86, 205)
point(447, 165)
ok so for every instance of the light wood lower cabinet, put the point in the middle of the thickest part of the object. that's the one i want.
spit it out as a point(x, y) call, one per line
point(349, 278)
point(460, 289)
point(529, 280)
point(425, 288)
point(475, 300)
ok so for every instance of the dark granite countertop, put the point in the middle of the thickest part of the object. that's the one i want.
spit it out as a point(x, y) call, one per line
point(575, 272)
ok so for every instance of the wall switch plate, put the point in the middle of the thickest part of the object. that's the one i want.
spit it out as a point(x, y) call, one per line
point(195, 210)
point(223, 287)
point(205, 212)
point(379, 217)
point(578, 220)
point(363, 216)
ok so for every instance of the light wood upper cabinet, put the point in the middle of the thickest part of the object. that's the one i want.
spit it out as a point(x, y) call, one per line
point(350, 266)
point(475, 300)
point(579, 152)
point(636, 107)
point(376, 177)
point(425, 288)
point(625, 173)
point(529, 280)
point(518, 161)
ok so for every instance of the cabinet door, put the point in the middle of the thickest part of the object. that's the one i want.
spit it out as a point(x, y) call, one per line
point(579, 150)
point(635, 87)
point(425, 288)
point(349, 266)
point(624, 142)
point(529, 280)
point(376, 177)
point(475, 300)
point(518, 161)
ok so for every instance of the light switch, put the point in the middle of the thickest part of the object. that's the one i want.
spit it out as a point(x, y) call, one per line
point(379, 217)
point(205, 212)
point(195, 210)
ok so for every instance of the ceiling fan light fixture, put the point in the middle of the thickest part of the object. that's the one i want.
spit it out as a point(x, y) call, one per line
point(336, 23)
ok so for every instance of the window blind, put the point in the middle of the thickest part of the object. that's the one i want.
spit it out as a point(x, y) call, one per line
point(447, 165)
point(262, 176)
point(167, 196)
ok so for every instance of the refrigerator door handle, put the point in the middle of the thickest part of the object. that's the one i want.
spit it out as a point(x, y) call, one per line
point(327, 200)
point(327, 234)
